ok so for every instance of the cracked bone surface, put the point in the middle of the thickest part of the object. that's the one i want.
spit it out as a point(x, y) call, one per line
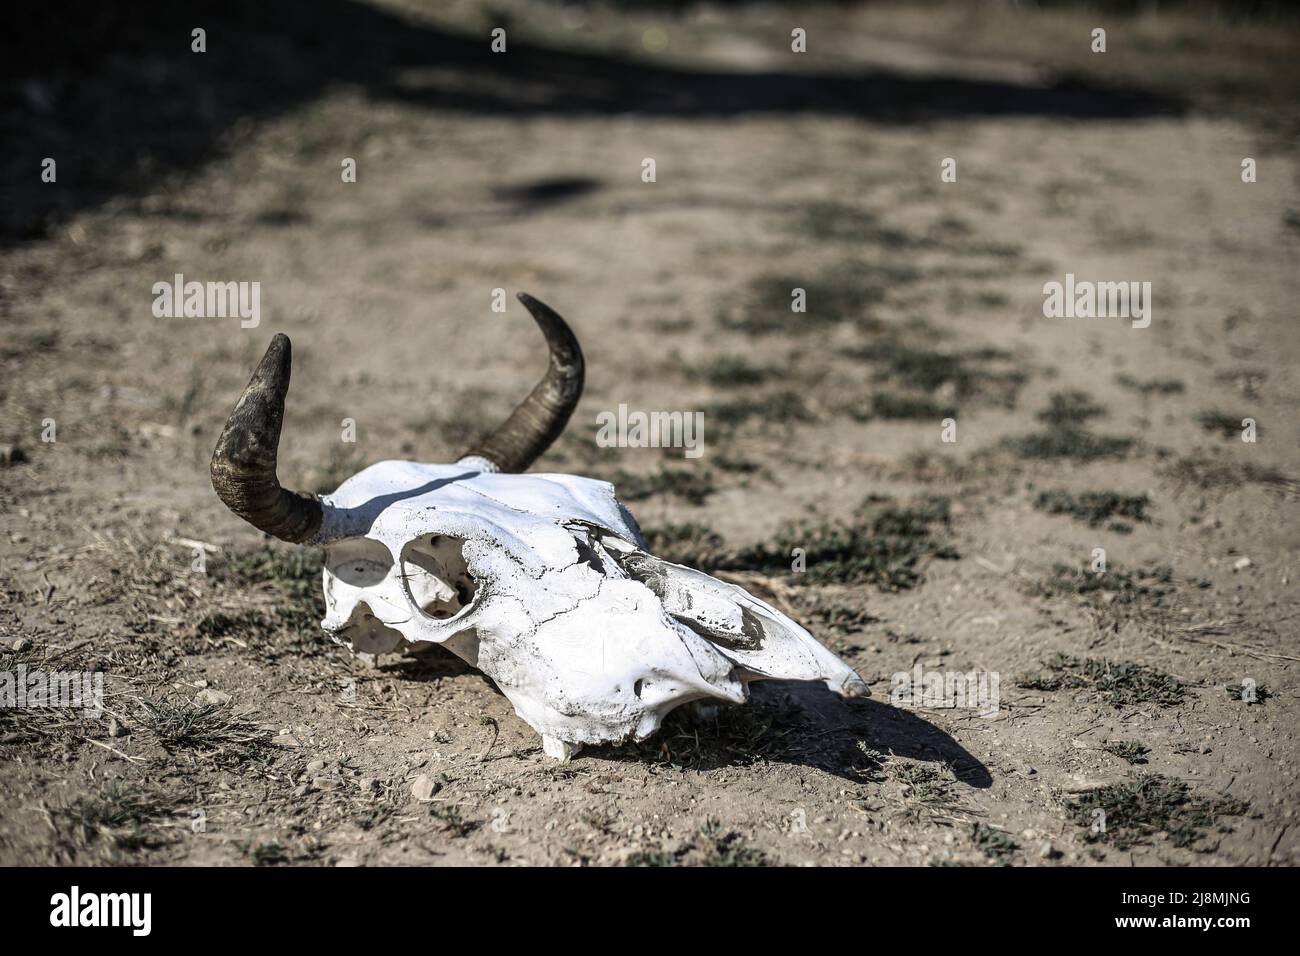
point(543, 582)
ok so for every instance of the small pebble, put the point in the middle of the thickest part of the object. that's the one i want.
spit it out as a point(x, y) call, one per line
point(424, 788)
point(316, 766)
point(215, 698)
point(22, 644)
point(1241, 564)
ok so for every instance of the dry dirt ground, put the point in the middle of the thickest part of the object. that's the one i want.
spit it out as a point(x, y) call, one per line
point(1120, 692)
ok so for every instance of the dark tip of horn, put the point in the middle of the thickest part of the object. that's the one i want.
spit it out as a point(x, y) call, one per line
point(540, 418)
point(244, 462)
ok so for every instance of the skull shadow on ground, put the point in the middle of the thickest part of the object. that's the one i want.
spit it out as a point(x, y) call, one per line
point(804, 723)
point(432, 662)
point(783, 722)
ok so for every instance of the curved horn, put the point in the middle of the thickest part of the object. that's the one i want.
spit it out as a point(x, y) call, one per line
point(540, 417)
point(243, 465)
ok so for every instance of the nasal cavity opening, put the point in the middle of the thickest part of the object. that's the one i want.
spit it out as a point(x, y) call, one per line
point(367, 634)
point(436, 576)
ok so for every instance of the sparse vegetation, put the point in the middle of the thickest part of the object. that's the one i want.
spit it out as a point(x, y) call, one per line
point(927, 793)
point(819, 172)
point(280, 591)
point(882, 544)
point(1246, 379)
point(689, 543)
point(267, 854)
point(823, 617)
point(714, 845)
point(1068, 443)
point(452, 821)
point(1224, 424)
point(1120, 683)
point(1128, 813)
point(736, 464)
point(116, 816)
point(890, 405)
point(295, 571)
point(776, 408)
point(256, 624)
point(1128, 750)
point(1066, 436)
point(1248, 693)
point(836, 222)
point(729, 371)
point(694, 485)
point(723, 847)
point(1095, 507)
point(652, 858)
point(842, 293)
point(993, 843)
point(967, 373)
point(1214, 475)
point(1070, 409)
point(213, 731)
point(925, 466)
point(753, 734)
point(1115, 585)
point(1154, 386)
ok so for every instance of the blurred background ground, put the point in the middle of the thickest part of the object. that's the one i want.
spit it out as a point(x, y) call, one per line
point(774, 170)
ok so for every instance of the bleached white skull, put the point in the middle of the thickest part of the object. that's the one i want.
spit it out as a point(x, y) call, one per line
point(543, 582)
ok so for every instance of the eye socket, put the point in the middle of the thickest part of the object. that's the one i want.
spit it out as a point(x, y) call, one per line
point(361, 573)
point(437, 577)
point(360, 562)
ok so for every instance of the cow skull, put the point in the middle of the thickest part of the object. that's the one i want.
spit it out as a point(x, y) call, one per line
point(543, 582)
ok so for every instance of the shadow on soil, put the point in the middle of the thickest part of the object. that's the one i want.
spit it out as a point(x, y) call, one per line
point(116, 96)
point(784, 722)
point(804, 724)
